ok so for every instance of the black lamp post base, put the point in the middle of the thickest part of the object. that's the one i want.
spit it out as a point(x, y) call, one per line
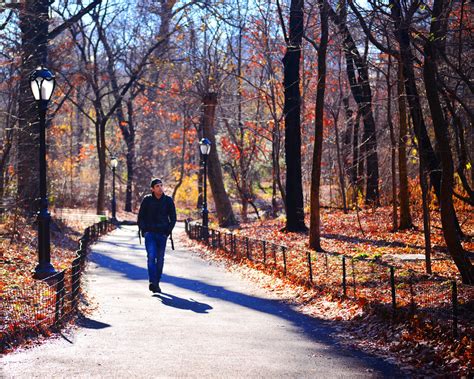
point(43, 271)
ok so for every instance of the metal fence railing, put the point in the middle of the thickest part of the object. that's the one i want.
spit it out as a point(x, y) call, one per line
point(392, 289)
point(50, 302)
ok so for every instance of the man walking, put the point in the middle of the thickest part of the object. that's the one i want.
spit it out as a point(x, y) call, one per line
point(156, 220)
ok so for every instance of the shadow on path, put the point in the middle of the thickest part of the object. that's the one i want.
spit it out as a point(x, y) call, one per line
point(88, 323)
point(180, 303)
point(318, 330)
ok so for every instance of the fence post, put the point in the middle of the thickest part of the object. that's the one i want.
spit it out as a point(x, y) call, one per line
point(247, 247)
point(232, 244)
point(219, 245)
point(454, 288)
point(264, 250)
point(59, 298)
point(310, 266)
point(392, 287)
point(344, 288)
point(283, 249)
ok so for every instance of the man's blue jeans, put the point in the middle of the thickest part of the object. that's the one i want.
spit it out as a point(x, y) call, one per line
point(155, 244)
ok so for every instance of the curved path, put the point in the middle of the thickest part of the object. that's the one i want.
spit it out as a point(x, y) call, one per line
point(207, 323)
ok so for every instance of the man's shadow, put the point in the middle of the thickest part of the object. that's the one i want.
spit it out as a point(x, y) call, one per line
point(180, 303)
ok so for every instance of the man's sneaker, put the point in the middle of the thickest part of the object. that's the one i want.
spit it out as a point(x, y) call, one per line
point(157, 289)
point(152, 287)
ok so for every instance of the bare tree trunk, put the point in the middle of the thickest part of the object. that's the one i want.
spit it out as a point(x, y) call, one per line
point(340, 165)
point(448, 216)
point(404, 195)
point(276, 148)
point(357, 161)
point(393, 147)
point(413, 98)
point(358, 74)
point(7, 141)
point(224, 210)
point(432, 162)
point(315, 222)
point(292, 110)
point(461, 150)
point(243, 169)
point(130, 142)
point(101, 152)
point(275, 163)
point(181, 166)
point(425, 190)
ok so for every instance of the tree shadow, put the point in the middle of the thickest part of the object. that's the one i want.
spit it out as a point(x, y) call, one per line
point(378, 243)
point(180, 303)
point(318, 330)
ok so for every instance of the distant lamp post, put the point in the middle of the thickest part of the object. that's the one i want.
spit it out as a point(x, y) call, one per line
point(205, 147)
point(114, 164)
point(42, 83)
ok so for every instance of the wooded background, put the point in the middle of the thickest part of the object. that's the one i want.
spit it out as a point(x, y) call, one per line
point(335, 103)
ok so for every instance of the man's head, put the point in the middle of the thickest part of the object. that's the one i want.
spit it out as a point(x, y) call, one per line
point(156, 185)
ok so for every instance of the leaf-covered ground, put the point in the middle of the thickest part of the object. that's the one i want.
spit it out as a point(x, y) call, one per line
point(19, 248)
point(370, 235)
point(19, 257)
point(415, 343)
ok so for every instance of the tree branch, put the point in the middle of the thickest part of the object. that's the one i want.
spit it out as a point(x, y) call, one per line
point(311, 41)
point(66, 24)
point(369, 34)
point(280, 14)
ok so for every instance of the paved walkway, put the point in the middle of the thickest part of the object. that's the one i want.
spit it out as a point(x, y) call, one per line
point(207, 323)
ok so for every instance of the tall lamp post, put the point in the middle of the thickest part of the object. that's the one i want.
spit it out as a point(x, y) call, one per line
point(205, 147)
point(42, 83)
point(114, 164)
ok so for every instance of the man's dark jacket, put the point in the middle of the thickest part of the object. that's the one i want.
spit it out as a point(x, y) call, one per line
point(157, 215)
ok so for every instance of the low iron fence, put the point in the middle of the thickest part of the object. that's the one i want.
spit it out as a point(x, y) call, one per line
point(50, 302)
point(392, 289)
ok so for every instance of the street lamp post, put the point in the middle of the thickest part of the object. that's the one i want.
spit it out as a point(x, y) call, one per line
point(42, 83)
point(205, 147)
point(114, 164)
